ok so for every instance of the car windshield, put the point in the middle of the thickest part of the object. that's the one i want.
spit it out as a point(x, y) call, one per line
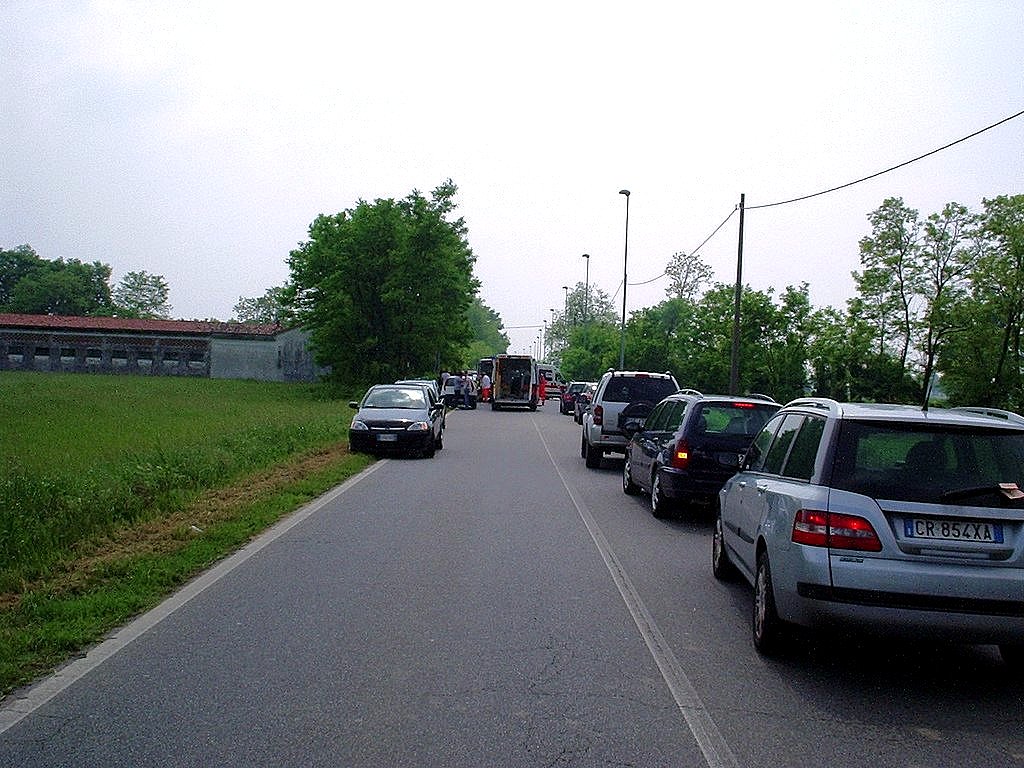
point(396, 398)
point(630, 389)
point(930, 464)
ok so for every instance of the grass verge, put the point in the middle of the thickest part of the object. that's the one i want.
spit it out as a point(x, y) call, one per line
point(116, 490)
point(109, 580)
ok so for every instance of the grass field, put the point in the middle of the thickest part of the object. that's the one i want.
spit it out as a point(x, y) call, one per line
point(117, 489)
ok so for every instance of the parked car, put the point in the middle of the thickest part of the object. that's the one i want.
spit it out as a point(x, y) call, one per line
point(452, 391)
point(393, 418)
point(567, 402)
point(619, 394)
point(435, 389)
point(883, 518)
point(689, 445)
point(583, 400)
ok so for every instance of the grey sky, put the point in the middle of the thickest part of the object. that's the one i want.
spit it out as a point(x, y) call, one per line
point(199, 140)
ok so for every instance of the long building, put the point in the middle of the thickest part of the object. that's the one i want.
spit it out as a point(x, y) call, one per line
point(155, 347)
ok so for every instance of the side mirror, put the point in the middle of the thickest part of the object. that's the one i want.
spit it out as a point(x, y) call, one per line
point(353, 404)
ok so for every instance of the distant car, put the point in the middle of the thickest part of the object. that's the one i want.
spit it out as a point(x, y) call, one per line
point(689, 445)
point(395, 418)
point(619, 395)
point(583, 402)
point(567, 402)
point(885, 519)
point(452, 391)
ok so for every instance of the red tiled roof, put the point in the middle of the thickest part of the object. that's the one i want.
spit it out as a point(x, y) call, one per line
point(64, 322)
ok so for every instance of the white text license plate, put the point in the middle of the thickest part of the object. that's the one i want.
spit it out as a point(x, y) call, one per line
point(387, 437)
point(952, 530)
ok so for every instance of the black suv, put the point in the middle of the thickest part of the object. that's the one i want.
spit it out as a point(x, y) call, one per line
point(689, 445)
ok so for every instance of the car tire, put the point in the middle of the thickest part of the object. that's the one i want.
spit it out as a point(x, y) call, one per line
point(591, 455)
point(430, 450)
point(660, 506)
point(439, 443)
point(628, 486)
point(768, 628)
point(721, 565)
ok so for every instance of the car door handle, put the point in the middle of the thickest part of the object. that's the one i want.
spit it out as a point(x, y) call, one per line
point(762, 489)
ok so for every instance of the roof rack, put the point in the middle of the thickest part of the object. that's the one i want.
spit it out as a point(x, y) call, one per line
point(696, 392)
point(996, 413)
point(760, 396)
point(821, 403)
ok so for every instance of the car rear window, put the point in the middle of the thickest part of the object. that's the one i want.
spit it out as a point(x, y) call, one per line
point(743, 419)
point(630, 389)
point(929, 464)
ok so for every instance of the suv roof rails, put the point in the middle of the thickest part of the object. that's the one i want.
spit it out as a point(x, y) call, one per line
point(822, 403)
point(696, 392)
point(760, 396)
point(997, 413)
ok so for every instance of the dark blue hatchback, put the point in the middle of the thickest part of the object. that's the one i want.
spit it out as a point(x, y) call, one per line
point(689, 445)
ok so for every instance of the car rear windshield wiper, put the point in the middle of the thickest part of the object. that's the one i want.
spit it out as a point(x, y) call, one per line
point(1008, 491)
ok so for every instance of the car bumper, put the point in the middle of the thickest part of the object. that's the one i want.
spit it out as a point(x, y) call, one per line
point(371, 442)
point(684, 486)
point(981, 605)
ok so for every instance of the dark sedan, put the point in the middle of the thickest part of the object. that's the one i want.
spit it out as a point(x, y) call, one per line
point(397, 418)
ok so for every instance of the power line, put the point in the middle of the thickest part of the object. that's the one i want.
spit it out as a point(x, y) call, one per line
point(833, 189)
point(887, 170)
point(695, 250)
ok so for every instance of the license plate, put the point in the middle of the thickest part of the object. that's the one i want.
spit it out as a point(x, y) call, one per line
point(387, 437)
point(953, 530)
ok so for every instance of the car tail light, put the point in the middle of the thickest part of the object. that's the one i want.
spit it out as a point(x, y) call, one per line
point(829, 529)
point(680, 455)
point(598, 413)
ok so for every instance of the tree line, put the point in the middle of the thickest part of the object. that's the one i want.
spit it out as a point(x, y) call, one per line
point(32, 285)
point(386, 290)
point(937, 312)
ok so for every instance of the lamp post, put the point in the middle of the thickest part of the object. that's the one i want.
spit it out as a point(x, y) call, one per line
point(551, 333)
point(565, 304)
point(625, 258)
point(586, 289)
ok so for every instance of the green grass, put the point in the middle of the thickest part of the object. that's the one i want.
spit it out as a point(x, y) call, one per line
point(98, 463)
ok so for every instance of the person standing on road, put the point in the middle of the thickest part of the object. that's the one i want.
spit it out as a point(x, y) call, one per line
point(485, 388)
point(468, 388)
point(542, 389)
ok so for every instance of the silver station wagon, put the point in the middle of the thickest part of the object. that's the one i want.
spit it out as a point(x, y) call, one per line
point(885, 518)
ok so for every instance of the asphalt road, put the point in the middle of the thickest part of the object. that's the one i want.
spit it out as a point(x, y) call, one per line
point(498, 605)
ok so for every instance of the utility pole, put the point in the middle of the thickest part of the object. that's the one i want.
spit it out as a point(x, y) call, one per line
point(734, 369)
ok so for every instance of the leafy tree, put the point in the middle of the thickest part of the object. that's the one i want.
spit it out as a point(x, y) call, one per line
point(688, 275)
point(888, 283)
point(384, 288)
point(140, 294)
point(579, 308)
point(266, 309)
point(951, 247)
point(593, 349)
point(488, 337)
point(16, 264)
point(58, 287)
point(980, 363)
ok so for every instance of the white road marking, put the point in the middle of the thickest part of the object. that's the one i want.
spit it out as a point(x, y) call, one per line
point(709, 740)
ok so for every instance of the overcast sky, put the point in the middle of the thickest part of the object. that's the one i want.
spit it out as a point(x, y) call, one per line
point(199, 140)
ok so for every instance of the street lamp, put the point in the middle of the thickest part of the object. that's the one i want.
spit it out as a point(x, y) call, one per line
point(625, 257)
point(565, 304)
point(586, 289)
